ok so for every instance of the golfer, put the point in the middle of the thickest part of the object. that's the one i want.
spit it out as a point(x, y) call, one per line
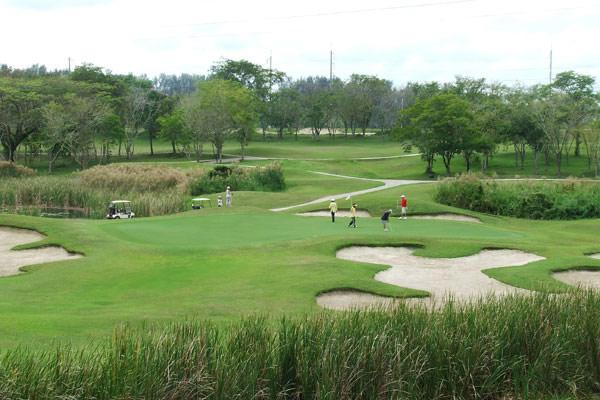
point(333, 208)
point(385, 220)
point(352, 216)
point(404, 207)
point(228, 196)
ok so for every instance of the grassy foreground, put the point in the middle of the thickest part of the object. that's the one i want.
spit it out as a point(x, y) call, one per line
point(534, 347)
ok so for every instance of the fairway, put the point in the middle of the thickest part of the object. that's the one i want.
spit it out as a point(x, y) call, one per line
point(225, 263)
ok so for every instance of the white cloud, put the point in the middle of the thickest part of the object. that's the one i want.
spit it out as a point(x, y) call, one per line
point(506, 40)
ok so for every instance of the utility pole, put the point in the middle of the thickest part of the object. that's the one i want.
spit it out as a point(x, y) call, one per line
point(330, 66)
point(69, 64)
point(270, 73)
point(550, 75)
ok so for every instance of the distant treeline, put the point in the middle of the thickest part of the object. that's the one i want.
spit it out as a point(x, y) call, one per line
point(89, 114)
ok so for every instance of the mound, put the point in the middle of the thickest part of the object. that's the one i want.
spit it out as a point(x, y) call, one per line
point(458, 278)
point(12, 261)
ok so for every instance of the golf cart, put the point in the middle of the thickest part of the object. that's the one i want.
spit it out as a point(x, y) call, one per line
point(200, 202)
point(118, 209)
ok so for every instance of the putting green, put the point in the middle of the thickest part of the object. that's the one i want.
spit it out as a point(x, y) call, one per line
point(224, 229)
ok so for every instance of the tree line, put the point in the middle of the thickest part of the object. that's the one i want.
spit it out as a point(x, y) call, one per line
point(90, 114)
point(471, 118)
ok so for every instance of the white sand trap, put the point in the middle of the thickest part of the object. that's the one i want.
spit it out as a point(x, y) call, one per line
point(363, 214)
point(459, 278)
point(447, 216)
point(345, 299)
point(595, 255)
point(12, 260)
point(584, 279)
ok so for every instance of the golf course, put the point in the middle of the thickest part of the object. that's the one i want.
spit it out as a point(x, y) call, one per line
point(266, 258)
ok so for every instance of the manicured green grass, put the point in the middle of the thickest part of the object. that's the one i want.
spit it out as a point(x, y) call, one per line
point(223, 263)
point(220, 264)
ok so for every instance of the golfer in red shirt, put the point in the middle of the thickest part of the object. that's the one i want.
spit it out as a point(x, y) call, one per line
point(404, 205)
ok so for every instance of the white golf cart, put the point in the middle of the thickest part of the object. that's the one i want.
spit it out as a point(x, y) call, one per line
point(118, 209)
point(200, 202)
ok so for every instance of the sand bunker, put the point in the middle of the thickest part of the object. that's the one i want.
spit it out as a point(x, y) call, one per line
point(363, 214)
point(584, 279)
point(447, 216)
point(461, 278)
point(345, 299)
point(12, 260)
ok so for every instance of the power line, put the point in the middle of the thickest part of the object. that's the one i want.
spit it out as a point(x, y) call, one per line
point(333, 13)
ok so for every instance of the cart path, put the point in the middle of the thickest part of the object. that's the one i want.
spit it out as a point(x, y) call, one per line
point(386, 184)
point(237, 157)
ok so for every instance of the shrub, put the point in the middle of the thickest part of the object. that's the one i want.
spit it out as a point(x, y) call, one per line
point(8, 169)
point(534, 200)
point(268, 178)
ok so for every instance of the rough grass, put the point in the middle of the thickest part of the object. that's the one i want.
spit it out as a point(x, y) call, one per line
point(537, 346)
point(154, 190)
point(138, 178)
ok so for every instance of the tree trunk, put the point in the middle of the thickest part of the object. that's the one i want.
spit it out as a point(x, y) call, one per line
point(173, 147)
point(467, 156)
point(577, 144)
point(447, 158)
point(151, 144)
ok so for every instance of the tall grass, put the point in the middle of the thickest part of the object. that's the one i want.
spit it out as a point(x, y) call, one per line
point(153, 190)
point(9, 169)
point(138, 178)
point(518, 347)
point(566, 200)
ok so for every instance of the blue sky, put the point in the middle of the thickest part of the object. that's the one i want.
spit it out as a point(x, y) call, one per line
point(402, 40)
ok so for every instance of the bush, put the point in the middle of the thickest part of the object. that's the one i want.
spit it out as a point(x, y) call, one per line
point(8, 169)
point(269, 178)
point(540, 200)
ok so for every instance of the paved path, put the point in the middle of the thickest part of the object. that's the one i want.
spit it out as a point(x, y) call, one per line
point(236, 157)
point(386, 184)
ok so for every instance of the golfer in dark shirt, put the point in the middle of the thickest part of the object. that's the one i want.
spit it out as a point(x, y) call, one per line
point(385, 220)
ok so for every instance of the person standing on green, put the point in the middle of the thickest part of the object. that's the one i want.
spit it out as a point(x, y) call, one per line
point(333, 209)
point(352, 216)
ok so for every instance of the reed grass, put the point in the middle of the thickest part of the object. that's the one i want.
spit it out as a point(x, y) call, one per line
point(9, 169)
point(31, 194)
point(519, 347)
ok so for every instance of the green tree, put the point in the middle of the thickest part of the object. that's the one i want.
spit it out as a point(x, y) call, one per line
point(262, 82)
point(172, 128)
point(221, 109)
point(21, 101)
point(443, 125)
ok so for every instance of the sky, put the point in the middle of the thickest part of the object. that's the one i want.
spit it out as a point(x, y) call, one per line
point(506, 41)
